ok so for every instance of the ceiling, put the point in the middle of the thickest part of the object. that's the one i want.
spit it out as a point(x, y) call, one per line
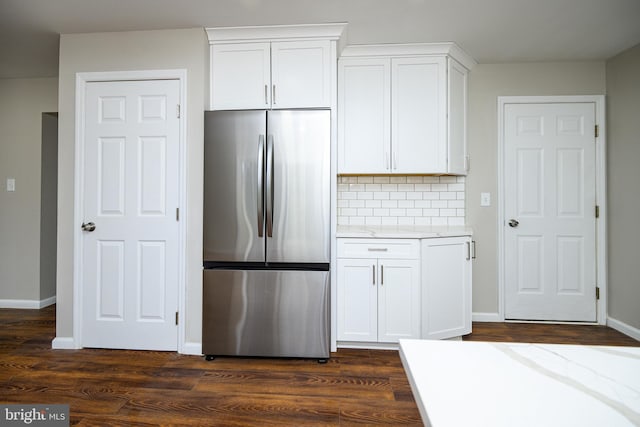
point(490, 31)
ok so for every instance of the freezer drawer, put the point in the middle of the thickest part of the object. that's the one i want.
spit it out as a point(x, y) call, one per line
point(266, 313)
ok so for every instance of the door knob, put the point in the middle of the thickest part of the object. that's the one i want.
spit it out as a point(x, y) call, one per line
point(513, 223)
point(89, 226)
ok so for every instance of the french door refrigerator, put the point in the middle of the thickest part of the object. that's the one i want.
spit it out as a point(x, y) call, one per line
point(266, 233)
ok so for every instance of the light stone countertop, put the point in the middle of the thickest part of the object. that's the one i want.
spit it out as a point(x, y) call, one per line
point(515, 384)
point(402, 231)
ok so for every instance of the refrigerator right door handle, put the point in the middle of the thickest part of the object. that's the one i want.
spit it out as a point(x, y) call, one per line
point(269, 186)
point(260, 162)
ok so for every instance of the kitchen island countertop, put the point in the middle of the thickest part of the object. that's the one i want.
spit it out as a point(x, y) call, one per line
point(517, 384)
point(402, 231)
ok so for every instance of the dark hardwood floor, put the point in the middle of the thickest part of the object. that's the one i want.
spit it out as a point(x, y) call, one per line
point(123, 388)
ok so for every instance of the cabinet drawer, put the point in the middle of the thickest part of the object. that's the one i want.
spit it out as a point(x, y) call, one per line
point(379, 248)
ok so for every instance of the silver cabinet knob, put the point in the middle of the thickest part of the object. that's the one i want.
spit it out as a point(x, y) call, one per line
point(89, 226)
point(513, 223)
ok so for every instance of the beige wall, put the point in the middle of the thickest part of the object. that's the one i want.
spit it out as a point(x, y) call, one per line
point(125, 51)
point(486, 83)
point(22, 102)
point(623, 154)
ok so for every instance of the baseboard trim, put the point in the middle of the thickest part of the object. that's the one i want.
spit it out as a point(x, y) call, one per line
point(64, 343)
point(486, 317)
point(192, 348)
point(30, 304)
point(624, 328)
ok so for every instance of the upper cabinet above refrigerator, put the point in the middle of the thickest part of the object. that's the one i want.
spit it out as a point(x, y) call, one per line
point(402, 109)
point(277, 67)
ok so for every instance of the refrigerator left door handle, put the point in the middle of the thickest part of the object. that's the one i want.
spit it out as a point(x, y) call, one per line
point(269, 186)
point(260, 162)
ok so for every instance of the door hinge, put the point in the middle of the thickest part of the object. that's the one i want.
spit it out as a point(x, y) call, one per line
point(177, 214)
point(178, 111)
point(176, 317)
point(597, 131)
point(597, 292)
point(597, 211)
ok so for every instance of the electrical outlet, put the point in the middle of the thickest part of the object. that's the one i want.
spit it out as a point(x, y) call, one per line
point(485, 199)
point(11, 184)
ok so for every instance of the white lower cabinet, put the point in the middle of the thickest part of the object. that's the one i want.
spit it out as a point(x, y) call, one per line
point(389, 289)
point(446, 287)
point(378, 290)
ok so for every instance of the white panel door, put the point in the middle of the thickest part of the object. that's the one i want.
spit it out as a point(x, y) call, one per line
point(130, 261)
point(446, 287)
point(357, 300)
point(364, 125)
point(550, 198)
point(398, 299)
point(418, 115)
point(240, 76)
point(300, 74)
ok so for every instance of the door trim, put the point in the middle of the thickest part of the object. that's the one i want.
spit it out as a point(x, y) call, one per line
point(82, 79)
point(601, 193)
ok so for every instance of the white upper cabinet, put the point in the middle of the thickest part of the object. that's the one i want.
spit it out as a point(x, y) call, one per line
point(240, 76)
point(402, 109)
point(364, 115)
point(273, 67)
point(300, 74)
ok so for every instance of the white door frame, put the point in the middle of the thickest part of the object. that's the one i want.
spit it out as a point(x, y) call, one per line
point(601, 193)
point(82, 79)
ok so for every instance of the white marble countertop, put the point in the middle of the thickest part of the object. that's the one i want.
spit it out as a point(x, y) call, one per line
point(512, 384)
point(402, 231)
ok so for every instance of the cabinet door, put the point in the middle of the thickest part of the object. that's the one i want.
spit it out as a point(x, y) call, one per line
point(240, 76)
point(446, 287)
point(300, 74)
point(364, 116)
point(357, 300)
point(418, 115)
point(398, 300)
point(457, 126)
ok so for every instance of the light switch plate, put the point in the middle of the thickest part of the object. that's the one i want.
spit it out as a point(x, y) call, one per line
point(11, 184)
point(485, 199)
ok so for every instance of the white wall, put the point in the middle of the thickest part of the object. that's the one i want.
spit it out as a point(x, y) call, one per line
point(623, 139)
point(486, 83)
point(124, 51)
point(22, 102)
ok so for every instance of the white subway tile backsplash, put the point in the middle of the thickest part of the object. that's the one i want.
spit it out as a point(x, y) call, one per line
point(423, 220)
point(381, 195)
point(373, 220)
point(373, 204)
point(448, 179)
point(405, 220)
point(448, 195)
point(401, 200)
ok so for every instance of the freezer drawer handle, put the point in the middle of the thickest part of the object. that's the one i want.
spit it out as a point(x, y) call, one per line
point(270, 186)
point(377, 249)
point(260, 162)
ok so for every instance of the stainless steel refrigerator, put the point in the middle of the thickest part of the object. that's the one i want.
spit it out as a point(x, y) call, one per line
point(266, 233)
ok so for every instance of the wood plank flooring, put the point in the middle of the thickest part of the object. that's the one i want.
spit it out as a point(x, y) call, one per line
point(127, 388)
